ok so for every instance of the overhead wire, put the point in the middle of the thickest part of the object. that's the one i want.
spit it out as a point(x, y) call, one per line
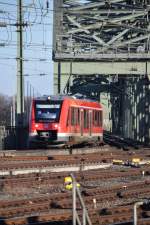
point(7, 39)
point(29, 43)
point(31, 7)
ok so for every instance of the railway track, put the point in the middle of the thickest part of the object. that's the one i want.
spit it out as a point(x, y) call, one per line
point(14, 162)
point(75, 152)
point(53, 181)
point(106, 216)
point(46, 203)
point(54, 194)
point(41, 197)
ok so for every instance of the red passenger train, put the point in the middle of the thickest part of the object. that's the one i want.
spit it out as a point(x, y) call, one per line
point(64, 120)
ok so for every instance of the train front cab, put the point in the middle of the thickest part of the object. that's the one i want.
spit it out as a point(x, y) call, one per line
point(44, 122)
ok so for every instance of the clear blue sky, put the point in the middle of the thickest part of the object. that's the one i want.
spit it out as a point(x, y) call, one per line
point(38, 65)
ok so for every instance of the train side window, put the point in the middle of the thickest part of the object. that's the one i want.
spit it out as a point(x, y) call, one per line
point(93, 119)
point(96, 121)
point(96, 118)
point(73, 116)
point(86, 118)
point(68, 117)
point(78, 116)
point(99, 118)
point(101, 115)
point(84, 115)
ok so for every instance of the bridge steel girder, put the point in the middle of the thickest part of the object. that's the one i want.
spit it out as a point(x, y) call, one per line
point(89, 68)
point(101, 30)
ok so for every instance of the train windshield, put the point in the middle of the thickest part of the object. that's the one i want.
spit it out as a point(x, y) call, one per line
point(48, 112)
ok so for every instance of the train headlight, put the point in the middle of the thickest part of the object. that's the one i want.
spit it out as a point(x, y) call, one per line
point(56, 126)
point(36, 125)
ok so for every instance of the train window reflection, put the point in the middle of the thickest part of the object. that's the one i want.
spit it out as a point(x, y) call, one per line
point(97, 118)
point(47, 112)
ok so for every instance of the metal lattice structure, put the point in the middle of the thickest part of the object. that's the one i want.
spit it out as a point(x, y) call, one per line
point(100, 30)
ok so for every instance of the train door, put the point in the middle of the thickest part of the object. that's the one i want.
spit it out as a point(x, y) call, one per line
point(81, 121)
point(90, 122)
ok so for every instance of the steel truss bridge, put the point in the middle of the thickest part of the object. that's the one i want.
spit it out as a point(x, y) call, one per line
point(100, 30)
point(101, 49)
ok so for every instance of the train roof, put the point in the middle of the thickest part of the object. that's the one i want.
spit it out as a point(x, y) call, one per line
point(63, 97)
